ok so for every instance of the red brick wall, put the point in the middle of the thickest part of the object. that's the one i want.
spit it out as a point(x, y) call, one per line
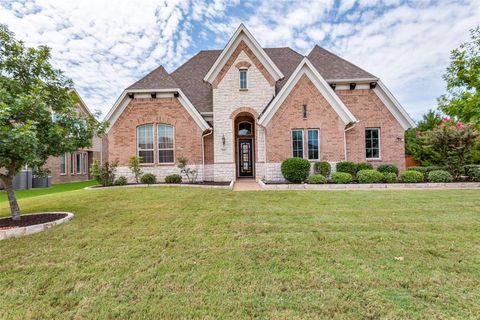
point(371, 112)
point(53, 164)
point(122, 136)
point(290, 116)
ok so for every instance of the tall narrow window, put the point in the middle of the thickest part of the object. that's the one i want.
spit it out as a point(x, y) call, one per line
point(145, 143)
point(85, 163)
point(372, 143)
point(63, 164)
point(297, 143)
point(72, 163)
point(243, 79)
point(313, 144)
point(165, 144)
point(78, 162)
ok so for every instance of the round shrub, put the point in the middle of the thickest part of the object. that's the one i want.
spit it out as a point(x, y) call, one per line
point(148, 178)
point(295, 170)
point(388, 168)
point(120, 181)
point(389, 177)
point(411, 176)
point(173, 178)
point(440, 176)
point(474, 174)
point(342, 177)
point(363, 166)
point(467, 168)
point(324, 168)
point(347, 167)
point(316, 179)
point(369, 176)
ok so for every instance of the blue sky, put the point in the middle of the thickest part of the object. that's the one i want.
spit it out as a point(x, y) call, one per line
point(104, 46)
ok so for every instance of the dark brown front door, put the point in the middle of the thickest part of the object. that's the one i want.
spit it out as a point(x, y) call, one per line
point(245, 157)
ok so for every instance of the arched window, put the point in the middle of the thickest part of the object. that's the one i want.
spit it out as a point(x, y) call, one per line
point(244, 128)
point(145, 143)
point(166, 144)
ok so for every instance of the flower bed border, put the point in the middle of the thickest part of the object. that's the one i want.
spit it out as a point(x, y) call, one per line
point(370, 186)
point(23, 231)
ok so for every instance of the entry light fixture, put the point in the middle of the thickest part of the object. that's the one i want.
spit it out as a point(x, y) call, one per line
point(223, 139)
point(153, 95)
point(352, 86)
point(333, 85)
point(131, 95)
point(373, 85)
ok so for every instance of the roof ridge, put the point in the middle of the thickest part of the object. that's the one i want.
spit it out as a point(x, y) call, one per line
point(160, 69)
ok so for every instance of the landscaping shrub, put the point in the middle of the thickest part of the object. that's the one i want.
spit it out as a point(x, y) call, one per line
point(369, 176)
point(148, 178)
point(295, 170)
point(388, 167)
point(439, 176)
point(317, 179)
point(134, 166)
point(468, 167)
point(324, 168)
point(363, 166)
point(347, 167)
point(104, 173)
point(173, 178)
point(411, 176)
point(389, 177)
point(342, 177)
point(425, 170)
point(121, 181)
point(474, 174)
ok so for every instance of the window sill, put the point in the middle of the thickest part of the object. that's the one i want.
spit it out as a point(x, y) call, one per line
point(373, 159)
point(243, 89)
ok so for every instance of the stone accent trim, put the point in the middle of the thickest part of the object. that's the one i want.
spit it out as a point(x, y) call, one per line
point(243, 65)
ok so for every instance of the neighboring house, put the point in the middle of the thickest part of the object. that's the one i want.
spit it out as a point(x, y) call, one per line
point(75, 166)
point(241, 111)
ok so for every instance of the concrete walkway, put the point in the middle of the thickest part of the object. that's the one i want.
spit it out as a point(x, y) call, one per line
point(246, 185)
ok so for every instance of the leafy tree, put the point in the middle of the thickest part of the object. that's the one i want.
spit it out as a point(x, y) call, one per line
point(134, 166)
point(38, 115)
point(462, 100)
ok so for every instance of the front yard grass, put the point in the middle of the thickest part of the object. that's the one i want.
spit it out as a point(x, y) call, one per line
point(164, 253)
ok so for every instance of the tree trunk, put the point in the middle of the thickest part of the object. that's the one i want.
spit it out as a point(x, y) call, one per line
point(14, 208)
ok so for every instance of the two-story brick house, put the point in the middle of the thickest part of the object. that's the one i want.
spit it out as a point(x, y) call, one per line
point(241, 111)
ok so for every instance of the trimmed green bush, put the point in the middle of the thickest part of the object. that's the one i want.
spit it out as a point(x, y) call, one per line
point(347, 167)
point(295, 170)
point(316, 179)
point(148, 178)
point(411, 176)
point(324, 168)
point(363, 166)
point(469, 167)
point(439, 176)
point(389, 177)
point(121, 181)
point(388, 167)
point(173, 178)
point(342, 177)
point(369, 176)
point(474, 174)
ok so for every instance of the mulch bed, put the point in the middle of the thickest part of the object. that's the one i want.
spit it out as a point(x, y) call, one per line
point(30, 220)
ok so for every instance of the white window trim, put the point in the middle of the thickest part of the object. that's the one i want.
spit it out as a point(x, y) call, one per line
point(72, 163)
point(85, 163)
point(303, 142)
point(158, 147)
point(240, 78)
point(78, 172)
point(318, 141)
point(65, 164)
point(379, 143)
point(153, 143)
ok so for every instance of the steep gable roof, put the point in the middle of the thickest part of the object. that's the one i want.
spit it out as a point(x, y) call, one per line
point(287, 60)
point(157, 79)
point(333, 67)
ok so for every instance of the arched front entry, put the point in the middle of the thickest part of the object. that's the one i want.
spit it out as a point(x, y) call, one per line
point(245, 145)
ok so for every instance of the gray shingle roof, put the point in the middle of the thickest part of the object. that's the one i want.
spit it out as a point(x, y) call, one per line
point(157, 79)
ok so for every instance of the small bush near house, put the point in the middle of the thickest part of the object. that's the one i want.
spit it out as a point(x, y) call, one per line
point(363, 166)
point(148, 178)
point(104, 174)
point(411, 176)
point(388, 167)
point(347, 167)
point(324, 168)
point(341, 177)
point(474, 174)
point(468, 167)
point(389, 177)
point(295, 170)
point(317, 179)
point(134, 166)
point(185, 169)
point(120, 181)
point(440, 176)
point(173, 178)
point(369, 176)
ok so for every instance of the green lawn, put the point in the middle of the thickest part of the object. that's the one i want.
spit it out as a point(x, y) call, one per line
point(177, 253)
point(56, 188)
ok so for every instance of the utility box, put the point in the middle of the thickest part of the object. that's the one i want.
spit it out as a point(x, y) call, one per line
point(23, 180)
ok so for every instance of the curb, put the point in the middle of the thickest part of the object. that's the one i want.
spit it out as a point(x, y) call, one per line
point(24, 231)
